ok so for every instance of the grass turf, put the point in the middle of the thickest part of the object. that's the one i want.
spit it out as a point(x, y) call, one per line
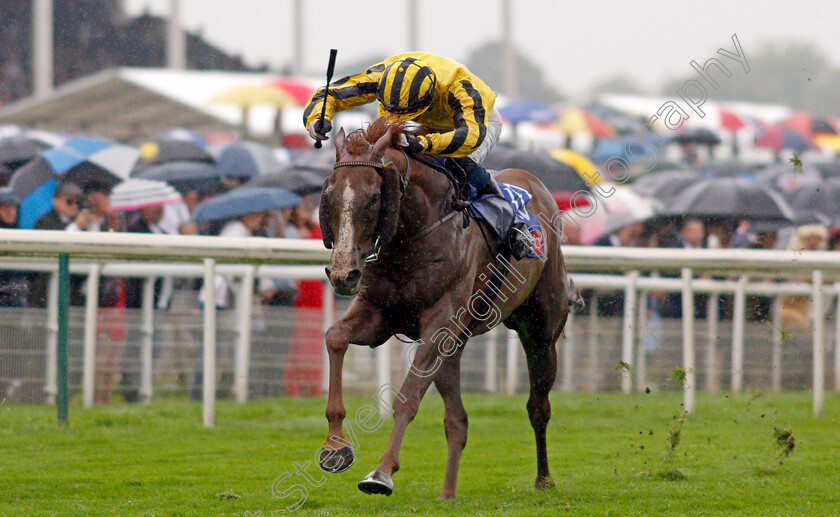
point(610, 454)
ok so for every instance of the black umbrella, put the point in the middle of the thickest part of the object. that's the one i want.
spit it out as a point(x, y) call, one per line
point(731, 198)
point(184, 176)
point(664, 185)
point(154, 152)
point(555, 175)
point(821, 198)
point(19, 150)
point(319, 162)
point(696, 135)
point(300, 181)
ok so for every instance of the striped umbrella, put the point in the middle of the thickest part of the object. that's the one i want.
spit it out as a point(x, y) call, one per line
point(78, 161)
point(136, 193)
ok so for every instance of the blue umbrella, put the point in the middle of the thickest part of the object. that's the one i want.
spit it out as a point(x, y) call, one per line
point(244, 200)
point(78, 161)
point(246, 160)
point(184, 176)
point(525, 110)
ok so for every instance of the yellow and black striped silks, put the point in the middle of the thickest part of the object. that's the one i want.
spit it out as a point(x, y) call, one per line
point(456, 120)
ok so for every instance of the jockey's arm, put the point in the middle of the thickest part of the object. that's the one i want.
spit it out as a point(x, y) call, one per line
point(470, 121)
point(349, 92)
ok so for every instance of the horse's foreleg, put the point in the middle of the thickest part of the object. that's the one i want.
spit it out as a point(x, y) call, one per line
point(428, 359)
point(448, 383)
point(360, 325)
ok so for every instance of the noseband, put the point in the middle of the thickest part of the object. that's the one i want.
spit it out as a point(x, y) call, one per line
point(379, 167)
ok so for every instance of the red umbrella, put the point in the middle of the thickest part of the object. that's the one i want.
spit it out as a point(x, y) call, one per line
point(808, 124)
point(778, 138)
point(299, 90)
point(730, 121)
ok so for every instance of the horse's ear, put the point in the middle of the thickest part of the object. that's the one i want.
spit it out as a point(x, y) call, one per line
point(383, 143)
point(339, 144)
point(389, 207)
point(324, 218)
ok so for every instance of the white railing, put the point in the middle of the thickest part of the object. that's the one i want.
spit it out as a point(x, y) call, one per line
point(268, 253)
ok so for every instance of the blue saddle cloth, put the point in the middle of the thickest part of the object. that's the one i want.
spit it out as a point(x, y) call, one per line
point(500, 214)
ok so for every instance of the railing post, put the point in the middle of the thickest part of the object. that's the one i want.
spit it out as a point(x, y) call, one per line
point(738, 334)
point(490, 360)
point(569, 353)
point(689, 384)
point(383, 373)
point(641, 353)
point(819, 340)
point(327, 320)
point(628, 332)
point(512, 366)
point(242, 357)
point(61, 345)
point(147, 340)
point(50, 386)
point(711, 345)
point(594, 377)
point(209, 345)
point(91, 313)
point(837, 340)
point(776, 360)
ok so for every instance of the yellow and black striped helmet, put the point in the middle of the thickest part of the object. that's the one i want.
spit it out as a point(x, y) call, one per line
point(407, 88)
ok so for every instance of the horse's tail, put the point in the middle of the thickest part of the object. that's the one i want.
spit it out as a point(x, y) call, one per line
point(575, 299)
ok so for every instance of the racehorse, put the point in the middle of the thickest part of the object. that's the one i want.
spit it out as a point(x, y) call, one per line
point(418, 271)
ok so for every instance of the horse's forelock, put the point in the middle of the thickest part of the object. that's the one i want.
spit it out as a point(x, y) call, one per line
point(360, 141)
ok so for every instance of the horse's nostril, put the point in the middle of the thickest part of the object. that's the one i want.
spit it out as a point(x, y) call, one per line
point(353, 276)
point(327, 271)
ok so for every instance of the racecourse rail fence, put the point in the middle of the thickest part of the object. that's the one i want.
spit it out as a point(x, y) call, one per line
point(241, 353)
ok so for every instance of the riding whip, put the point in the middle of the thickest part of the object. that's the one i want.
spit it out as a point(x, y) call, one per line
point(330, 69)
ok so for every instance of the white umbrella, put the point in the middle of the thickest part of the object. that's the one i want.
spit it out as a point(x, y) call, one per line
point(136, 193)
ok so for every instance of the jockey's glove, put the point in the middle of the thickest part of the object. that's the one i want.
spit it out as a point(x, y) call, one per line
point(414, 144)
point(319, 131)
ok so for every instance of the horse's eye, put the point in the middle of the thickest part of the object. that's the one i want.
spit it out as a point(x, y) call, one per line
point(374, 199)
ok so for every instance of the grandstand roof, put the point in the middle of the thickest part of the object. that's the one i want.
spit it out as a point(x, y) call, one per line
point(126, 103)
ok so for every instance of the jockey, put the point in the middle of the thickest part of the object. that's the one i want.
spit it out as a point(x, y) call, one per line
point(453, 104)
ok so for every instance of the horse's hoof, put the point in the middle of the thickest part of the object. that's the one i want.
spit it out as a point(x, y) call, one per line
point(544, 483)
point(377, 483)
point(334, 461)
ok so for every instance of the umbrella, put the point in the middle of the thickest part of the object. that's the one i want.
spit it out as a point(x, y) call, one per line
point(629, 148)
point(809, 125)
point(298, 90)
point(247, 159)
point(18, 150)
point(249, 95)
point(319, 162)
point(730, 121)
point(782, 177)
point(733, 198)
point(778, 138)
point(557, 176)
point(40, 137)
point(822, 197)
point(622, 122)
point(623, 208)
point(696, 135)
point(577, 120)
point(244, 200)
point(136, 193)
point(828, 140)
point(580, 163)
point(300, 181)
point(183, 135)
point(184, 176)
point(665, 185)
point(162, 150)
point(78, 161)
point(527, 110)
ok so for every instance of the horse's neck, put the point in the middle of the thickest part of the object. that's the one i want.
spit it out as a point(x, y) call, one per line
point(426, 199)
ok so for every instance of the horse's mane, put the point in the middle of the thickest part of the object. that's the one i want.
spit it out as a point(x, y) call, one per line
point(359, 141)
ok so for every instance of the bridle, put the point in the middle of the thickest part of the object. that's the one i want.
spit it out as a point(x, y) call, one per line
point(379, 167)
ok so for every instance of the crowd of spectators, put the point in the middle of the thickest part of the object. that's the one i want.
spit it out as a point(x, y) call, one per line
point(92, 35)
